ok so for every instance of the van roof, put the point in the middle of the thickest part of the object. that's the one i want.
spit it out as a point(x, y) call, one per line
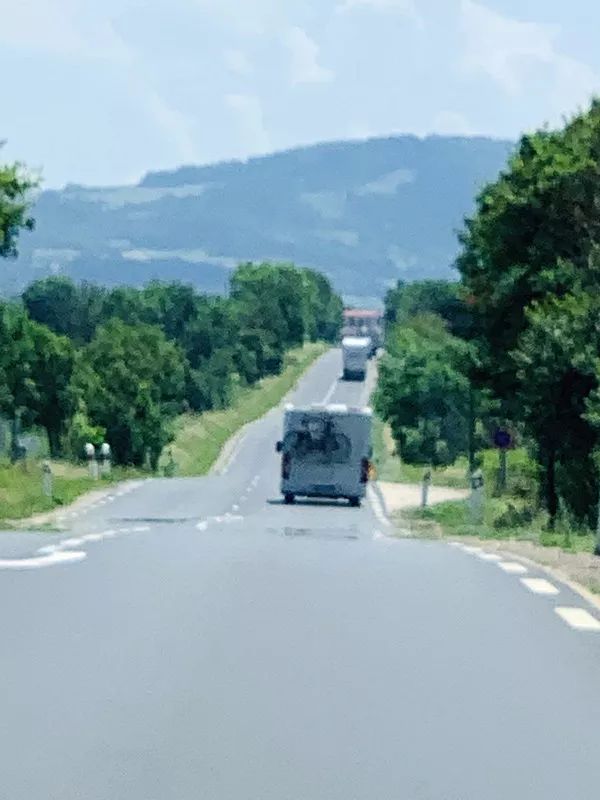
point(356, 341)
point(330, 408)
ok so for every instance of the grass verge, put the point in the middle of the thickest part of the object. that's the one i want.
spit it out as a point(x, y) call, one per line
point(22, 495)
point(200, 437)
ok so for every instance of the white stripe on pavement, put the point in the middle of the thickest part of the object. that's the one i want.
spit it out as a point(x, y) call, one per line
point(539, 586)
point(377, 506)
point(38, 562)
point(578, 618)
point(512, 567)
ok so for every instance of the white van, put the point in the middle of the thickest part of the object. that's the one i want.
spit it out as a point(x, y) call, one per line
point(356, 351)
point(326, 452)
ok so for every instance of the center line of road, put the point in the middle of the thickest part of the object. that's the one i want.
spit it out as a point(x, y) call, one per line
point(539, 586)
point(578, 618)
point(330, 393)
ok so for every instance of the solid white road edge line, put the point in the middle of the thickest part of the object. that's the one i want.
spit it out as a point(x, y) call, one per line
point(377, 507)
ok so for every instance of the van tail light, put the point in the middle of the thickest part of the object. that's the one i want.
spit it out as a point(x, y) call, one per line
point(286, 463)
point(365, 467)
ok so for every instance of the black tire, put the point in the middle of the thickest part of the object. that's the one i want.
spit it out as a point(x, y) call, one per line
point(354, 501)
point(288, 498)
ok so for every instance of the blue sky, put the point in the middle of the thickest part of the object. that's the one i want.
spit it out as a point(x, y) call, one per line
point(99, 92)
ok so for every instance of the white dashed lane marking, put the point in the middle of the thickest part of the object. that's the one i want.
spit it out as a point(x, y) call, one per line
point(578, 618)
point(539, 586)
point(37, 562)
point(472, 550)
point(489, 556)
point(512, 567)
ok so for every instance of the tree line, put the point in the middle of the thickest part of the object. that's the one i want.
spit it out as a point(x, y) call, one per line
point(91, 364)
point(516, 342)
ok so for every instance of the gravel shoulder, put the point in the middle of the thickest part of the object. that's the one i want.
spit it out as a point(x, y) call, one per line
point(399, 496)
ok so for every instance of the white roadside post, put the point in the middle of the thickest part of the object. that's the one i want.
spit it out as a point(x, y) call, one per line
point(47, 479)
point(105, 458)
point(90, 454)
point(476, 499)
point(425, 488)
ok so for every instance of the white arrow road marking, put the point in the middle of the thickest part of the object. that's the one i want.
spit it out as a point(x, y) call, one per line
point(578, 618)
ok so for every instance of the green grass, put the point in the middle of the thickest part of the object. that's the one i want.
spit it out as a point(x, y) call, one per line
point(21, 493)
point(503, 518)
point(200, 437)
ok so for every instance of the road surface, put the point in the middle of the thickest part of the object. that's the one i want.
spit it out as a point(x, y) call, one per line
point(206, 642)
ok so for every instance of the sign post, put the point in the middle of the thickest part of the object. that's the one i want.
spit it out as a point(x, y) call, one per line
point(503, 441)
point(47, 479)
point(425, 488)
point(476, 499)
point(90, 454)
point(105, 458)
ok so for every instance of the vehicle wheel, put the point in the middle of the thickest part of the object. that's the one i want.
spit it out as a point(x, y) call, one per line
point(354, 502)
point(288, 498)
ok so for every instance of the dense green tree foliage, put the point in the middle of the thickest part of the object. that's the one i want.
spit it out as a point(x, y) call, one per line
point(87, 362)
point(531, 270)
point(15, 191)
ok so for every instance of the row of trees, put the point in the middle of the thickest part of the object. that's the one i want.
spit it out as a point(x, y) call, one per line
point(88, 363)
point(520, 337)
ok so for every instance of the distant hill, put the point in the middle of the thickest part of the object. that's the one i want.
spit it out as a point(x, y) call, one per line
point(365, 213)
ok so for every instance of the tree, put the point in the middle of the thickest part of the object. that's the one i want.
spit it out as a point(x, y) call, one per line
point(17, 385)
point(424, 391)
point(557, 371)
point(67, 308)
point(16, 185)
point(131, 380)
point(443, 298)
point(530, 268)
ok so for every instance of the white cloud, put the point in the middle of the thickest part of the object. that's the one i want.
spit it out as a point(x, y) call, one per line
point(451, 123)
point(407, 8)
point(69, 28)
point(248, 110)
point(304, 56)
point(174, 125)
point(238, 62)
point(509, 50)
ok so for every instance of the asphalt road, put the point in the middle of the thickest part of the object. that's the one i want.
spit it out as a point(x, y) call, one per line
point(206, 642)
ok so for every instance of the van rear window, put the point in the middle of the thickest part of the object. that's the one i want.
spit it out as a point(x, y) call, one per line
point(330, 448)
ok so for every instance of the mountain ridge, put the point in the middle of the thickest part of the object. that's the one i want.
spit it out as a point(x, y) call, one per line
point(363, 212)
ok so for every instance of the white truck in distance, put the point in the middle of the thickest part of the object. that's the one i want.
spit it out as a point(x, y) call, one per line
point(355, 356)
point(326, 452)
